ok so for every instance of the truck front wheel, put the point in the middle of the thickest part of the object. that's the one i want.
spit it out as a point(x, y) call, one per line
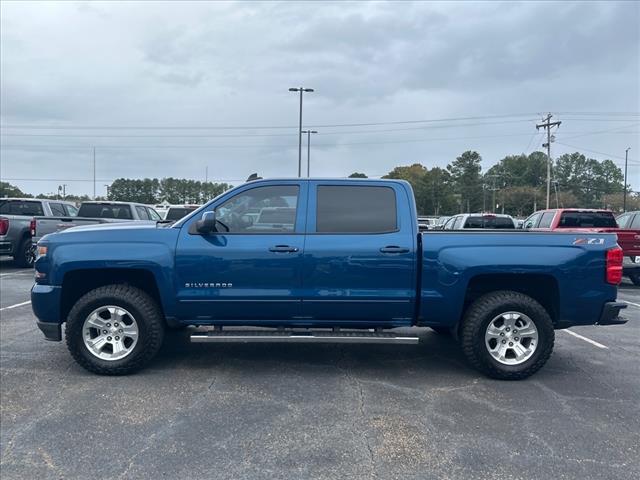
point(507, 335)
point(114, 330)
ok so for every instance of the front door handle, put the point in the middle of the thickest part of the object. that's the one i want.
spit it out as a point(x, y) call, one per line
point(283, 249)
point(394, 249)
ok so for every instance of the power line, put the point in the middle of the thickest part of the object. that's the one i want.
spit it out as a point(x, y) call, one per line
point(254, 127)
point(100, 135)
point(596, 152)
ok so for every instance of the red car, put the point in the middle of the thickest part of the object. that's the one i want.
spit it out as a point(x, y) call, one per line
point(590, 220)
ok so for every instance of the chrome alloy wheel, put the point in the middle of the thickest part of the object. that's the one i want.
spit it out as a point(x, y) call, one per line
point(511, 338)
point(110, 332)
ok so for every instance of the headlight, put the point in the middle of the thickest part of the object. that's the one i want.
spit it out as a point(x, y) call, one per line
point(41, 251)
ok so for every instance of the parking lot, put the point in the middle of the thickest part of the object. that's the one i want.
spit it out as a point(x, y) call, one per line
point(322, 411)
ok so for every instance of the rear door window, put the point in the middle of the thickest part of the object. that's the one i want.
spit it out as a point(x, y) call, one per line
point(457, 224)
point(587, 220)
point(356, 209)
point(21, 207)
point(636, 221)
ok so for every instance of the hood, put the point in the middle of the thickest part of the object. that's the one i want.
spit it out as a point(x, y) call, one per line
point(101, 227)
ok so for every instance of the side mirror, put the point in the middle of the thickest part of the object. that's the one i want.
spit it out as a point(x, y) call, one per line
point(207, 223)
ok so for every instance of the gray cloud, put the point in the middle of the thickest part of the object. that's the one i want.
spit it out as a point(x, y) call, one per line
point(213, 63)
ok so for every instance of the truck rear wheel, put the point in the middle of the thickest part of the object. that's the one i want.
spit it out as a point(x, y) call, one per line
point(507, 335)
point(635, 277)
point(25, 256)
point(114, 330)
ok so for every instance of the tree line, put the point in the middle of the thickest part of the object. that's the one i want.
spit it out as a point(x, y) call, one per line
point(515, 185)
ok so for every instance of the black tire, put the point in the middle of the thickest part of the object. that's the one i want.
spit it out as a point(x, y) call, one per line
point(24, 256)
point(635, 278)
point(151, 326)
point(442, 330)
point(484, 310)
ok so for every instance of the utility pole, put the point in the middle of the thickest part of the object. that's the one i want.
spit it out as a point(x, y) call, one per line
point(624, 198)
point(309, 132)
point(206, 174)
point(547, 125)
point(94, 173)
point(301, 90)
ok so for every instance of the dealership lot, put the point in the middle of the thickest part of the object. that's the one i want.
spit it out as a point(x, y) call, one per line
point(328, 411)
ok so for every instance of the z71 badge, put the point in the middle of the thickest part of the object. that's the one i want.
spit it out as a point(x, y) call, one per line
point(589, 241)
point(208, 285)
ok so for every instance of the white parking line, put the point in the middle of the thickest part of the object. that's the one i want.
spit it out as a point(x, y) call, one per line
point(28, 272)
point(16, 305)
point(588, 340)
point(631, 303)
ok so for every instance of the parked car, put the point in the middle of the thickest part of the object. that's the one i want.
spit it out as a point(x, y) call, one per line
point(323, 256)
point(426, 223)
point(589, 220)
point(176, 212)
point(631, 267)
point(479, 220)
point(439, 225)
point(94, 212)
point(16, 215)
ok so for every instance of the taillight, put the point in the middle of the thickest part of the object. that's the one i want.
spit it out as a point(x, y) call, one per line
point(32, 227)
point(614, 265)
point(4, 226)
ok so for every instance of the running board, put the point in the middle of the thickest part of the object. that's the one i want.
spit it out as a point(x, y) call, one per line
point(253, 336)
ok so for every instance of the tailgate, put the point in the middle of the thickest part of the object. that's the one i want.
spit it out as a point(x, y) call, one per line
point(629, 241)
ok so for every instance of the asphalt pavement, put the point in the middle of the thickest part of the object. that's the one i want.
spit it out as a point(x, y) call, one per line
point(258, 411)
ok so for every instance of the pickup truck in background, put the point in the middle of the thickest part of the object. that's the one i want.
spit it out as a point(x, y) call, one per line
point(592, 220)
point(313, 260)
point(94, 212)
point(16, 224)
point(176, 212)
point(631, 266)
point(496, 221)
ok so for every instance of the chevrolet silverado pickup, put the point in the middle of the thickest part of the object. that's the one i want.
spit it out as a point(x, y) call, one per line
point(313, 260)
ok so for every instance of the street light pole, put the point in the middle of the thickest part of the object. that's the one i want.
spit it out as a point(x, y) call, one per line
point(309, 132)
point(301, 90)
point(624, 197)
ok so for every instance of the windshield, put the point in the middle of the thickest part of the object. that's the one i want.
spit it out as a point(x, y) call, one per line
point(587, 220)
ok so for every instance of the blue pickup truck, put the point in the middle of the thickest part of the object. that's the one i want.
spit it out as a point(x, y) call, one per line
point(313, 260)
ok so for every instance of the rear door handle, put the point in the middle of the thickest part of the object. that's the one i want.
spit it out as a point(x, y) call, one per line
point(394, 249)
point(283, 249)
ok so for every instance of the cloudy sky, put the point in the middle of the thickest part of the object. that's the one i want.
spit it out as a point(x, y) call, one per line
point(431, 80)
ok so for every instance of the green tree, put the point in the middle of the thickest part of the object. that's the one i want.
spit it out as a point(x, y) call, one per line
point(8, 190)
point(414, 174)
point(465, 174)
point(436, 193)
point(358, 175)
